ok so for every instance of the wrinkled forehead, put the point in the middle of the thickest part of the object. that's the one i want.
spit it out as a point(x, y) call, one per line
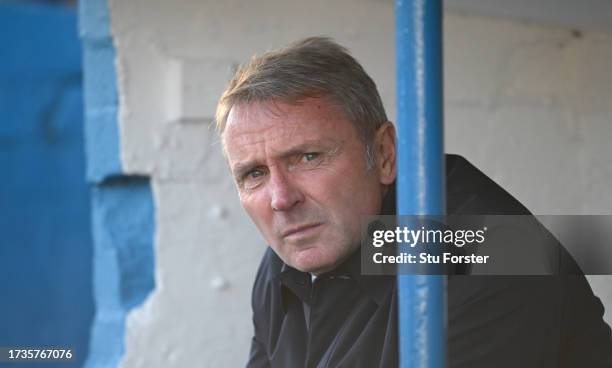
point(249, 123)
point(245, 115)
point(277, 122)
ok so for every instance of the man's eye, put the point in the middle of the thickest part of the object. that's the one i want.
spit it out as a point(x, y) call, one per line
point(310, 156)
point(254, 174)
point(251, 179)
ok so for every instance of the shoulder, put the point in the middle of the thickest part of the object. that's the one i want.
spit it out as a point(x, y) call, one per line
point(470, 191)
point(266, 280)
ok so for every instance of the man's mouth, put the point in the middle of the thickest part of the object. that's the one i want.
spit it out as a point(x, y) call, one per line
point(301, 230)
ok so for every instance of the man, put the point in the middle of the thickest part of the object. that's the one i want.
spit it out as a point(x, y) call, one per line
point(312, 151)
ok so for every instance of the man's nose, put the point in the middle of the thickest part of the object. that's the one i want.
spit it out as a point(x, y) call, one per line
point(284, 194)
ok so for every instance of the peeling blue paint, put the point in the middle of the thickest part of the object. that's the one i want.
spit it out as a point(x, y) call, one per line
point(123, 221)
point(102, 144)
point(94, 20)
point(101, 101)
point(125, 210)
point(123, 231)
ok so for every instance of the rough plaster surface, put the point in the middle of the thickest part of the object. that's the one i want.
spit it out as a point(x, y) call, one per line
point(528, 104)
point(531, 106)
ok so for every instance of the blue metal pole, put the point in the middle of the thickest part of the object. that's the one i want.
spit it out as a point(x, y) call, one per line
point(421, 175)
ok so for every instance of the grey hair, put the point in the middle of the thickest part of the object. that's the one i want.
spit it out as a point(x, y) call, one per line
point(312, 67)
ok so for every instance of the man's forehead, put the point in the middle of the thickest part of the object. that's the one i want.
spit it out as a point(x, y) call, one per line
point(279, 122)
point(276, 111)
point(247, 112)
point(261, 118)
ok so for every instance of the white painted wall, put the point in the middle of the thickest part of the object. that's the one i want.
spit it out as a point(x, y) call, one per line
point(530, 105)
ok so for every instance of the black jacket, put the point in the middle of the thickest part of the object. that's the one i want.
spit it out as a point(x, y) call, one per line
point(347, 319)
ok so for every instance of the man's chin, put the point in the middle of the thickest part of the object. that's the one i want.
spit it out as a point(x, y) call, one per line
point(311, 260)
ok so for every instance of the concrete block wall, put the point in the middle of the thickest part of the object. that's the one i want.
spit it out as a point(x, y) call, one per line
point(101, 133)
point(526, 103)
point(122, 204)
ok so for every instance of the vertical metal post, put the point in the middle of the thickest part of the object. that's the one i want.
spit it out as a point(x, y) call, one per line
point(421, 175)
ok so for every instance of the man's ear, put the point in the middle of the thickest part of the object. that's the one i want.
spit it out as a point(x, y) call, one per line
point(385, 152)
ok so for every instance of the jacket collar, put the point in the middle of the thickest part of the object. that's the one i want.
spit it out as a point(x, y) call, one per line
point(300, 284)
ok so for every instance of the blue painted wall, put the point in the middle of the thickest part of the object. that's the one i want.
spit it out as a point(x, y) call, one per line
point(45, 243)
point(123, 228)
point(123, 221)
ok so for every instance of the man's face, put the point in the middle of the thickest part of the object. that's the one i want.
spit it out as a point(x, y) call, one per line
point(301, 175)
